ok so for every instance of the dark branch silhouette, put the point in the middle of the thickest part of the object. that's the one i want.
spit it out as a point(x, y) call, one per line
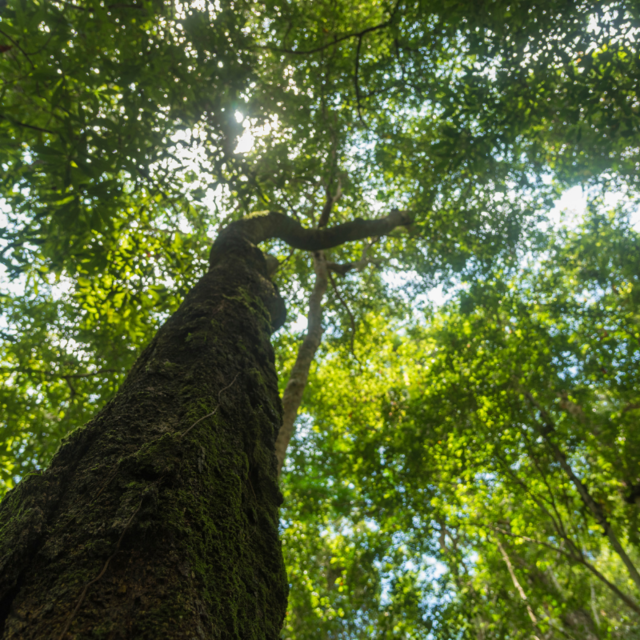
point(347, 36)
point(273, 225)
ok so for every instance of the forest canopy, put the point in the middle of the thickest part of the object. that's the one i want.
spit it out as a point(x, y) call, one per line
point(466, 469)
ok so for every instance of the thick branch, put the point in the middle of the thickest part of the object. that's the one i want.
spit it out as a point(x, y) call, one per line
point(268, 225)
point(271, 225)
point(292, 397)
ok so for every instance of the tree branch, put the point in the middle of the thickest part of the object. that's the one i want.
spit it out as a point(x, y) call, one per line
point(292, 396)
point(516, 583)
point(576, 558)
point(356, 80)
point(25, 125)
point(329, 204)
point(587, 498)
point(347, 36)
point(343, 268)
point(17, 46)
point(576, 555)
point(351, 318)
point(268, 225)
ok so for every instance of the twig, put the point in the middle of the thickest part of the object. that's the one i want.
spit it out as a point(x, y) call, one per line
point(74, 393)
point(361, 36)
point(351, 318)
point(17, 46)
point(357, 81)
point(184, 433)
point(26, 126)
point(344, 268)
point(347, 36)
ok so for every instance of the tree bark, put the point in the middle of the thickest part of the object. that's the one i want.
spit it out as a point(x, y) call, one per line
point(159, 518)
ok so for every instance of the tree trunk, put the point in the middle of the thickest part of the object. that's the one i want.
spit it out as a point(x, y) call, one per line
point(159, 518)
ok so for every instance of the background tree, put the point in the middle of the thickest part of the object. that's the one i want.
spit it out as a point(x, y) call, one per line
point(487, 467)
point(470, 116)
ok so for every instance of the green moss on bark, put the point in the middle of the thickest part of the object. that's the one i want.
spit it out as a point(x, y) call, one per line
point(169, 520)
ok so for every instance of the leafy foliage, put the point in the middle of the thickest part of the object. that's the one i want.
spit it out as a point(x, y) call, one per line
point(446, 460)
point(425, 473)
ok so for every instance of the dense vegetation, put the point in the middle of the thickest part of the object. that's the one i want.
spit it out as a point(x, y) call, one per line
point(467, 471)
point(451, 489)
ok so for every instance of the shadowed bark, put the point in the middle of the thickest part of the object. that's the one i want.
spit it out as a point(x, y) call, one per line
point(152, 522)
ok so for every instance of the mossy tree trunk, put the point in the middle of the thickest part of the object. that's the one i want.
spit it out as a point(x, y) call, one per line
point(159, 518)
point(153, 520)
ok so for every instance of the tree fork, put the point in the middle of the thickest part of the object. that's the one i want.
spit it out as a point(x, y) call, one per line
point(159, 517)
